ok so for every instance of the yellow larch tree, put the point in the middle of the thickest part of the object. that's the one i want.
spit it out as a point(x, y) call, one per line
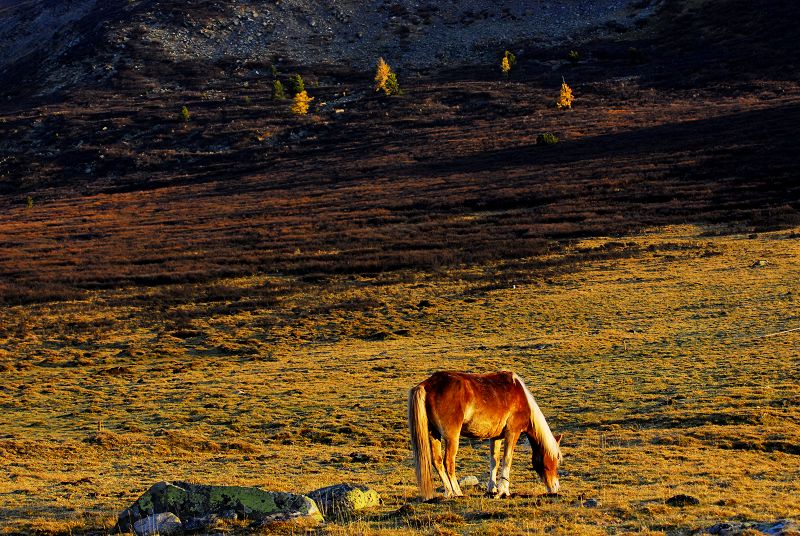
point(382, 73)
point(300, 103)
point(565, 98)
point(386, 80)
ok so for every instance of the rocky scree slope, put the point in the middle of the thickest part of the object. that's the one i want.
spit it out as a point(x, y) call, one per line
point(47, 45)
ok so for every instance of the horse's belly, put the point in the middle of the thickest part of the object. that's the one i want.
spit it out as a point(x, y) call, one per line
point(482, 429)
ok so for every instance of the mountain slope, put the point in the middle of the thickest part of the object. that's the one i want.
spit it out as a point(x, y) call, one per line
point(450, 173)
point(54, 45)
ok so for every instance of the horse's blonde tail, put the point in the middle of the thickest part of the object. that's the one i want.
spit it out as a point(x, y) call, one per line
point(420, 440)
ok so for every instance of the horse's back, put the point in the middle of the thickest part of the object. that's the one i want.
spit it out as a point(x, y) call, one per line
point(446, 379)
point(482, 403)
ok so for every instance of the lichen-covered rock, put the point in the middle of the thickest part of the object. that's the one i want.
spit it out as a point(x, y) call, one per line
point(345, 499)
point(191, 501)
point(163, 524)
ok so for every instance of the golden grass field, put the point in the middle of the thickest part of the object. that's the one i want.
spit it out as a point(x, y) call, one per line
point(663, 367)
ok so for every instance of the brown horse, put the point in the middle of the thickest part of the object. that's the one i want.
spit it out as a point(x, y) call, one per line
point(496, 406)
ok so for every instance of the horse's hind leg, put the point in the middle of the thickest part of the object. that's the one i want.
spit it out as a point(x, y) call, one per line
point(450, 451)
point(438, 463)
point(494, 463)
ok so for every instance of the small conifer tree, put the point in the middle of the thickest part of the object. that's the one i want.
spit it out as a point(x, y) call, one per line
point(508, 61)
point(184, 115)
point(565, 98)
point(296, 84)
point(573, 56)
point(548, 138)
point(386, 80)
point(392, 85)
point(29, 202)
point(277, 90)
point(301, 102)
point(381, 74)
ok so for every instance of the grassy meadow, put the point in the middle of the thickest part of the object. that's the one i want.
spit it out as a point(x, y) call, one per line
point(245, 298)
point(657, 354)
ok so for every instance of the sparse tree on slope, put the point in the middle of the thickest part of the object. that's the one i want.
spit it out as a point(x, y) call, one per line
point(300, 103)
point(386, 80)
point(565, 97)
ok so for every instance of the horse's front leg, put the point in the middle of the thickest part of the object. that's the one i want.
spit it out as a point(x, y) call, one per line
point(503, 487)
point(494, 463)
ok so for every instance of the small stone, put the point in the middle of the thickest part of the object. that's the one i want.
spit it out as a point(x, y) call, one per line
point(683, 500)
point(591, 503)
point(469, 481)
point(164, 524)
point(759, 263)
point(204, 523)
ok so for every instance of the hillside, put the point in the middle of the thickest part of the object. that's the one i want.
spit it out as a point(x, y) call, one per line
point(448, 173)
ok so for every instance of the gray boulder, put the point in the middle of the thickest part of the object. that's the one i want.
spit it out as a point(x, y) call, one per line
point(345, 499)
point(163, 524)
point(192, 502)
point(783, 527)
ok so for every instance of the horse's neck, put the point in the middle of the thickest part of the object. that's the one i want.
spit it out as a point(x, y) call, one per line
point(539, 431)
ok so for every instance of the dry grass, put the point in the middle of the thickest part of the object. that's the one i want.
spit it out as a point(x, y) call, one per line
point(650, 362)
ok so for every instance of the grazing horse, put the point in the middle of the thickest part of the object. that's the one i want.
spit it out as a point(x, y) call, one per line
point(496, 406)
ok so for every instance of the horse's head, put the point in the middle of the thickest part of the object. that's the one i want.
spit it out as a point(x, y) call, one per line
point(545, 463)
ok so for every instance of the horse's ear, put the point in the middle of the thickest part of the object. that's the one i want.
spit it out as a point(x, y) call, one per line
point(559, 437)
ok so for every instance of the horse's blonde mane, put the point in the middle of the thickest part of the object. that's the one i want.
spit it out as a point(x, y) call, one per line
point(541, 430)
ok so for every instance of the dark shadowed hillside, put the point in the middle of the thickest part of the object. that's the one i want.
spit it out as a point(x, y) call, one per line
point(683, 117)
